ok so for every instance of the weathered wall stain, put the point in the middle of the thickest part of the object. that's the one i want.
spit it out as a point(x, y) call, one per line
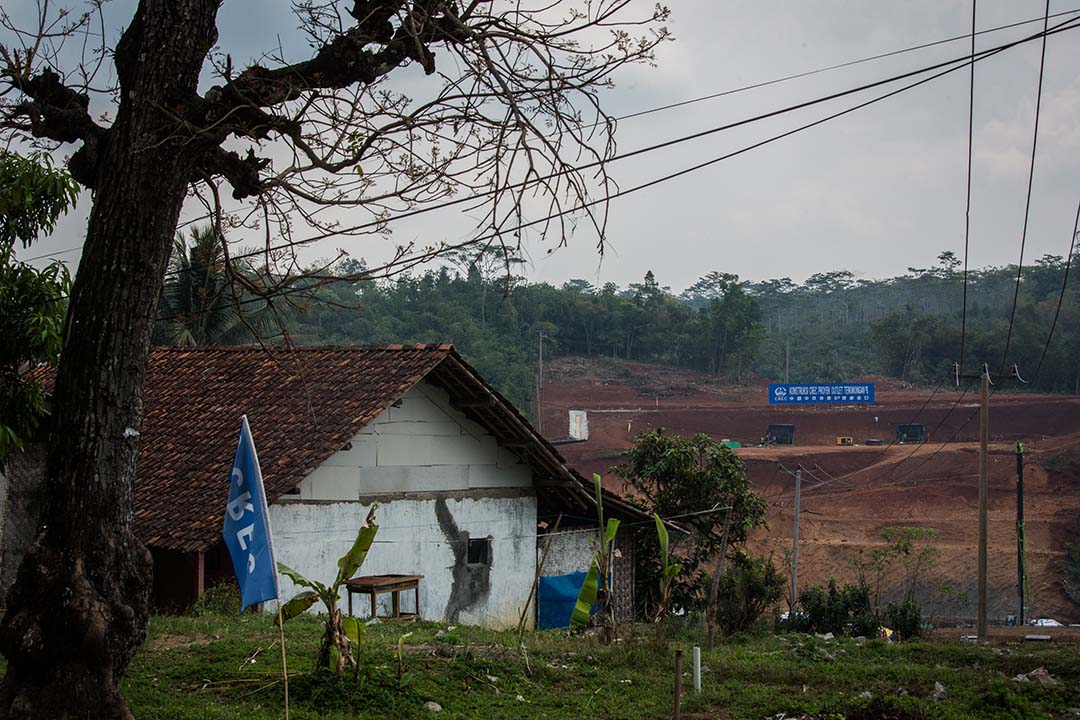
point(471, 583)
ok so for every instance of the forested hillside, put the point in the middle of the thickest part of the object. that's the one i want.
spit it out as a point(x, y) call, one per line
point(832, 327)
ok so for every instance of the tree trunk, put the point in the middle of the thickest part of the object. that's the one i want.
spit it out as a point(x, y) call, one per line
point(78, 610)
point(721, 558)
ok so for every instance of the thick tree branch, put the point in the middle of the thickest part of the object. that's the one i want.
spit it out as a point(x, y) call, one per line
point(56, 112)
point(241, 172)
point(348, 59)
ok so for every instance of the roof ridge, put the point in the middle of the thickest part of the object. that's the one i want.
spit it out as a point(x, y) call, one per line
point(367, 347)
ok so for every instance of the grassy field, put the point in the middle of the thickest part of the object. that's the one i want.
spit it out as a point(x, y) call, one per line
point(218, 666)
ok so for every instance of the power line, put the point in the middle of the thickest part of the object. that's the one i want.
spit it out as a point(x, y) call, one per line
point(180, 226)
point(1061, 296)
point(426, 256)
point(962, 60)
point(942, 447)
point(849, 63)
point(671, 176)
point(758, 85)
point(895, 439)
point(933, 432)
point(967, 209)
point(965, 59)
point(1027, 204)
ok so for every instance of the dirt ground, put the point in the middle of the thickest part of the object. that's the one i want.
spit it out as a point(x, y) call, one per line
point(851, 493)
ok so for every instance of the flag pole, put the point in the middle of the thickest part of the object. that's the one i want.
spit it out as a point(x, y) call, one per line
point(284, 667)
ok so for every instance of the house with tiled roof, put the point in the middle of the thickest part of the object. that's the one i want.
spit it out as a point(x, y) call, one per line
point(464, 485)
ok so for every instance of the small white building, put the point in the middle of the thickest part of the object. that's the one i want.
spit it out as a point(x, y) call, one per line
point(461, 479)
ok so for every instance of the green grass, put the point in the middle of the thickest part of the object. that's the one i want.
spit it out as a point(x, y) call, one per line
point(220, 666)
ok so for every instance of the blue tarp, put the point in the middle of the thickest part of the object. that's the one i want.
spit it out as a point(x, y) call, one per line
point(555, 599)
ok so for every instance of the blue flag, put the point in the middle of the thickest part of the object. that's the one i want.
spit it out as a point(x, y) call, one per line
point(247, 526)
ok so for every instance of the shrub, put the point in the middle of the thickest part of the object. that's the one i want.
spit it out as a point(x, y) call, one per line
point(904, 618)
point(1070, 576)
point(749, 586)
point(220, 599)
point(835, 609)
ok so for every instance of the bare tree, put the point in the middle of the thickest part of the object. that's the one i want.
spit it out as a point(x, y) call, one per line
point(507, 109)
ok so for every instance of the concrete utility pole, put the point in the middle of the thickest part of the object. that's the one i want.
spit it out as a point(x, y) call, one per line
point(984, 484)
point(985, 381)
point(1021, 574)
point(541, 336)
point(787, 361)
point(795, 541)
point(795, 537)
point(540, 386)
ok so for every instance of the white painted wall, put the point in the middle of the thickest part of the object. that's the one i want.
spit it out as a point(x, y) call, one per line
point(311, 537)
point(424, 445)
point(579, 424)
point(411, 458)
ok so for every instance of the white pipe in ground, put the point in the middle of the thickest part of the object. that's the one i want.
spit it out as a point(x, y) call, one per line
point(697, 670)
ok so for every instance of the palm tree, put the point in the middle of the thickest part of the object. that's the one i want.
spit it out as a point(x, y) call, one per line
point(199, 304)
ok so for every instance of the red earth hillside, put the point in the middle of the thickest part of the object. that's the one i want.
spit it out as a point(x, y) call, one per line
point(851, 493)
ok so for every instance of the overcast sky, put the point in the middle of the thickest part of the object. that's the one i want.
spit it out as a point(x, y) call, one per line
point(873, 192)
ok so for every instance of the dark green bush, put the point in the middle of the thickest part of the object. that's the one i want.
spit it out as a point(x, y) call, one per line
point(904, 618)
point(836, 609)
point(749, 586)
point(220, 599)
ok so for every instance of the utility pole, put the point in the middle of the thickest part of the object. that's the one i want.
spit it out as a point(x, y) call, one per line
point(1021, 575)
point(795, 537)
point(985, 381)
point(795, 542)
point(787, 361)
point(540, 387)
point(541, 336)
point(984, 484)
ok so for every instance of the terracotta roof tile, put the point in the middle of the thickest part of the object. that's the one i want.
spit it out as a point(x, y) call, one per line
point(303, 405)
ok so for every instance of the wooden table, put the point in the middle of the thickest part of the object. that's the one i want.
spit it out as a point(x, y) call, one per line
point(374, 585)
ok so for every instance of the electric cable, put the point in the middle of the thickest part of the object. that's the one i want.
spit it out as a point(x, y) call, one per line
point(671, 176)
point(967, 209)
point(1027, 203)
point(1061, 296)
point(962, 60)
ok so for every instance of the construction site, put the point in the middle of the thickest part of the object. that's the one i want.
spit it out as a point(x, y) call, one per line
point(862, 471)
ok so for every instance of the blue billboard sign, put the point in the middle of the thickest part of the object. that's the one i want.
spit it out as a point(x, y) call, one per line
point(832, 393)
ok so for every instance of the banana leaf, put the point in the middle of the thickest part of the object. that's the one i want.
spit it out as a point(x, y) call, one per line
point(599, 497)
point(298, 604)
point(300, 580)
point(586, 598)
point(351, 561)
point(612, 528)
point(352, 628)
point(661, 534)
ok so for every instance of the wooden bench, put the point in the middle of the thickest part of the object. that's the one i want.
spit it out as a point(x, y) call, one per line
point(1038, 638)
point(375, 585)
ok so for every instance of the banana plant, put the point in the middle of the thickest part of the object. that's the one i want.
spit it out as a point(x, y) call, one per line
point(342, 633)
point(596, 590)
point(669, 569)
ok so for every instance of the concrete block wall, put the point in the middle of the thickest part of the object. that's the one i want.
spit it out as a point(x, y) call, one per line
point(423, 537)
point(441, 480)
point(420, 445)
point(571, 552)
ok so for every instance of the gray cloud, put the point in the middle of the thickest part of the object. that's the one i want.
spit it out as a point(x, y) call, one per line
point(873, 192)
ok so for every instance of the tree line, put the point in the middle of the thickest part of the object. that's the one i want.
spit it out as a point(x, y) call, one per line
point(832, 327)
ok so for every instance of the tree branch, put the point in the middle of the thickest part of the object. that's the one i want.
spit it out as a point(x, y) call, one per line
point(56, 112)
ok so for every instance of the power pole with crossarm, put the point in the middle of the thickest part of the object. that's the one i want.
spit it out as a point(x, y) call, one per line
point(985, 381)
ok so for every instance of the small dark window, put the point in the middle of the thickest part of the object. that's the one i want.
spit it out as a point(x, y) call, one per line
point(480, 551)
